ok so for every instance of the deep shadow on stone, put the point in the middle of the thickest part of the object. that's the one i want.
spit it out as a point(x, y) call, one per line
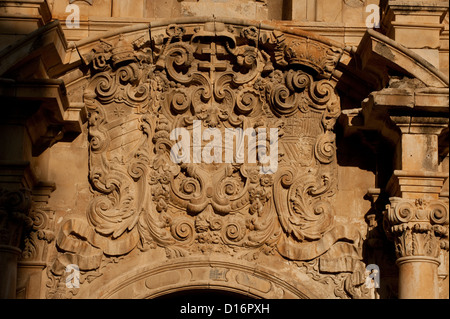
point(204, 295)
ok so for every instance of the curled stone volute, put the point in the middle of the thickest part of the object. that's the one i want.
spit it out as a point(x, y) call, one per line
point(418, 227)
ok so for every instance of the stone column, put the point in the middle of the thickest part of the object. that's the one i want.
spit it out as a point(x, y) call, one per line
point(36, 241)
point(420, 230)
point(417, 218)
point(413, 119)
point(16, 180)
point(14, 208)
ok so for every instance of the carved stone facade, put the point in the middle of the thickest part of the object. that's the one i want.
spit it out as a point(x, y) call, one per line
point(157, 152)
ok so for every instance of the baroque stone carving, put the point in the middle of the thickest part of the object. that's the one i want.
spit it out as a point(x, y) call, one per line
point(220, 77)
point(14, 210)
point(349, 284)
point(419, 227)
point(40, 234)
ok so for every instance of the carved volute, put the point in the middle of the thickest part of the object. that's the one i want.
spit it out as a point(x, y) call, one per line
point(206, 81)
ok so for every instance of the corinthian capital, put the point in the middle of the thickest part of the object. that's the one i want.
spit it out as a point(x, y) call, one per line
point(14, 208)
point(419, 227)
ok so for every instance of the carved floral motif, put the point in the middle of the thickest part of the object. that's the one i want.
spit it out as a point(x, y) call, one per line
point(419, 227)
point(225, 77)
point(14, 209)
point(40, 234)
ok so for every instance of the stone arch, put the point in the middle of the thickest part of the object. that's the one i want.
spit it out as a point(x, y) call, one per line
point(204, 273)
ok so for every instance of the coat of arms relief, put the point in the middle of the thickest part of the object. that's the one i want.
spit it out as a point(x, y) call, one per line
point(212, 138)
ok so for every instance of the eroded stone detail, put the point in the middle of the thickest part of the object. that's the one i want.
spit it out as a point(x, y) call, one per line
point(226, 77)
point(419, 227)
point(40, 234)
point(349, 284)
point(14, 210)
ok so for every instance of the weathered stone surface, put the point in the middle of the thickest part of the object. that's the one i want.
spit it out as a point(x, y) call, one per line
point(347, 174)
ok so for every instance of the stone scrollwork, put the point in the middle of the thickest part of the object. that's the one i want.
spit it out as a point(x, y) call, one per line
point(419, 227)
point(15, 206)
point(40, 233)
point(224, 77)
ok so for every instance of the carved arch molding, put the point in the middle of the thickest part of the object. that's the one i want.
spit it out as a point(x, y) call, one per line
point(142, 85)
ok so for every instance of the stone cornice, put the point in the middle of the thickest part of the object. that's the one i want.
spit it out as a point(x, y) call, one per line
point(402, 110)
point(51, 96)
point(431, 7)
point(376, 47)
point(47, 43)
point(18, 9)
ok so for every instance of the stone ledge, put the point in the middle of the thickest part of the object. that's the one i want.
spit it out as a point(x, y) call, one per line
point(415, 184)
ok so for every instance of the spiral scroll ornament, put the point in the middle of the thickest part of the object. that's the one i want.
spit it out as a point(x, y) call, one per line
point(419, 227)
point(227, 79)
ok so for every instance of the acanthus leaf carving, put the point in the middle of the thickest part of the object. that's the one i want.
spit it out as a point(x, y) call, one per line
point(39, 235)
point(15, 205)
point(226, 79)
point(419, 227)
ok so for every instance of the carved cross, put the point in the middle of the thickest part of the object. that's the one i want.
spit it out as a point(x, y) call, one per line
point(214, 64)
